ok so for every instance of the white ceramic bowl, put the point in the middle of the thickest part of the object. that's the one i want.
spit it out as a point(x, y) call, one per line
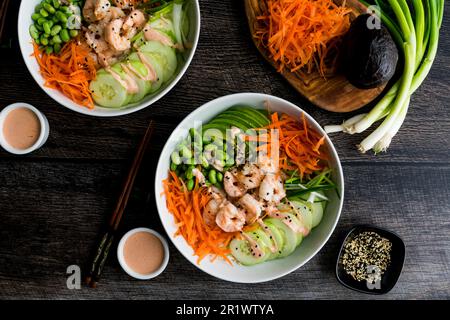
point(26, 47)
point(43, 136)
point(131, 272)
point(269, 270)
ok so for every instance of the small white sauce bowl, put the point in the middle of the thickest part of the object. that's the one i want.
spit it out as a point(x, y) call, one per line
point(131, 272)
point(43, 136)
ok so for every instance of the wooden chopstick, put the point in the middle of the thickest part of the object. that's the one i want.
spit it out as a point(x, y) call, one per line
point(101, 254)
point(3, 12)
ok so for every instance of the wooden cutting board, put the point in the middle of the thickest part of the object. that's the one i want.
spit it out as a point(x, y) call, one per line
point(334, 93)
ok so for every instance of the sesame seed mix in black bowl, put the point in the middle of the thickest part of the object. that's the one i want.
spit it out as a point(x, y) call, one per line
point(370, 260)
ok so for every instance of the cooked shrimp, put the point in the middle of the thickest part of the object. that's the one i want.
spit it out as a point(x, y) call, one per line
point(133, 23)
point(115, 13)
point(267, 165)
point(252, 208)
point(250, 176)
point(95, 10)
point(229, 218)
point(199, 175)
point(107, 58)
point(272, 189)
point(95, 42)
point(114, 38)
point(124, 4)
point(232, 186)
point(211, 209)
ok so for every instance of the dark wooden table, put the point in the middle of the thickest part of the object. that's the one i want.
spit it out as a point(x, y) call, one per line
point(54, 201)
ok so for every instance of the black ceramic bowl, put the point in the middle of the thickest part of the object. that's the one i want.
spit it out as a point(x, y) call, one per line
point(390, 276)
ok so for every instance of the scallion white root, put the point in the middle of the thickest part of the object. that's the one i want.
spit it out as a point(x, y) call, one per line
point(419, 37)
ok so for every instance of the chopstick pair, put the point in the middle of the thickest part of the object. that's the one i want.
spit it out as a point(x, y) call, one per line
point(101, 254)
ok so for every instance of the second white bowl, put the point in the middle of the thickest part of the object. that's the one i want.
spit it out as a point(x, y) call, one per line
point(26, 47)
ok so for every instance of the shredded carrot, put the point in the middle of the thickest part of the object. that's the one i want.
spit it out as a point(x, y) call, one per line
point(203, 239)
point(70, 72)
point(300, 146)
point(302, 34)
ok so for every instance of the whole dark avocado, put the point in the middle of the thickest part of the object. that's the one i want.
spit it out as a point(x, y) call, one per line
point(370, 54)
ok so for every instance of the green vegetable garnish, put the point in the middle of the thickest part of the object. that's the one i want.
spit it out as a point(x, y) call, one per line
point(417, 35)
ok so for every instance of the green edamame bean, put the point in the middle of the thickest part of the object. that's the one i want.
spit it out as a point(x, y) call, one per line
point(38, 8)
point(73, 33)
point(56, 4)
point(50, 42)
point(218, 185)
point(212, 176)
point(55, 19)
point(55, 30)
point(36, 16)
point(61, 17)
point(210, 147)
point(204, 162)
point(64, 34)
point(43, 13)
point(192, 132)
point(44, 40)
point(38, 42)
point(41, 21)
point(40, 29)
point(185, 152)
point(175, 156)
point(65, 10)
point(219, 176)
point(189, 173)
point(49, 50)
point(220, 155)
point(49, 8)
point(47, 28)
point(56, 39)
point(190, 184)
point(173, 166)
point(57, 48)
point(34, 33)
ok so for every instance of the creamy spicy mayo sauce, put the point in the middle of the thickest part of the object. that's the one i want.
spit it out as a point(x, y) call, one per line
point(21, 128)
point(143, 252)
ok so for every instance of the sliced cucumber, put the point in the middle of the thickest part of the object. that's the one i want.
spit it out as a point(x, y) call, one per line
point(139, 41)
point(259, 235)
point(277, 238)
point(108, 92)
point(165, 26)
point(317, 208)
point(289, 237)
point(305, 209)
point(165, 55)
point(242, 251)
point(317, 212)
point(143, 85)
point(297, 221)
point(140, 67)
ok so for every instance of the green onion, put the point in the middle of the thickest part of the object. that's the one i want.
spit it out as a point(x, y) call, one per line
point(417, 36)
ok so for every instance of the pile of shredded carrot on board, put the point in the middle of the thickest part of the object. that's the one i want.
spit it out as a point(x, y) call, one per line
point(69, 72)
point(300, 33)
point(187, 207)
point(301, 148)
